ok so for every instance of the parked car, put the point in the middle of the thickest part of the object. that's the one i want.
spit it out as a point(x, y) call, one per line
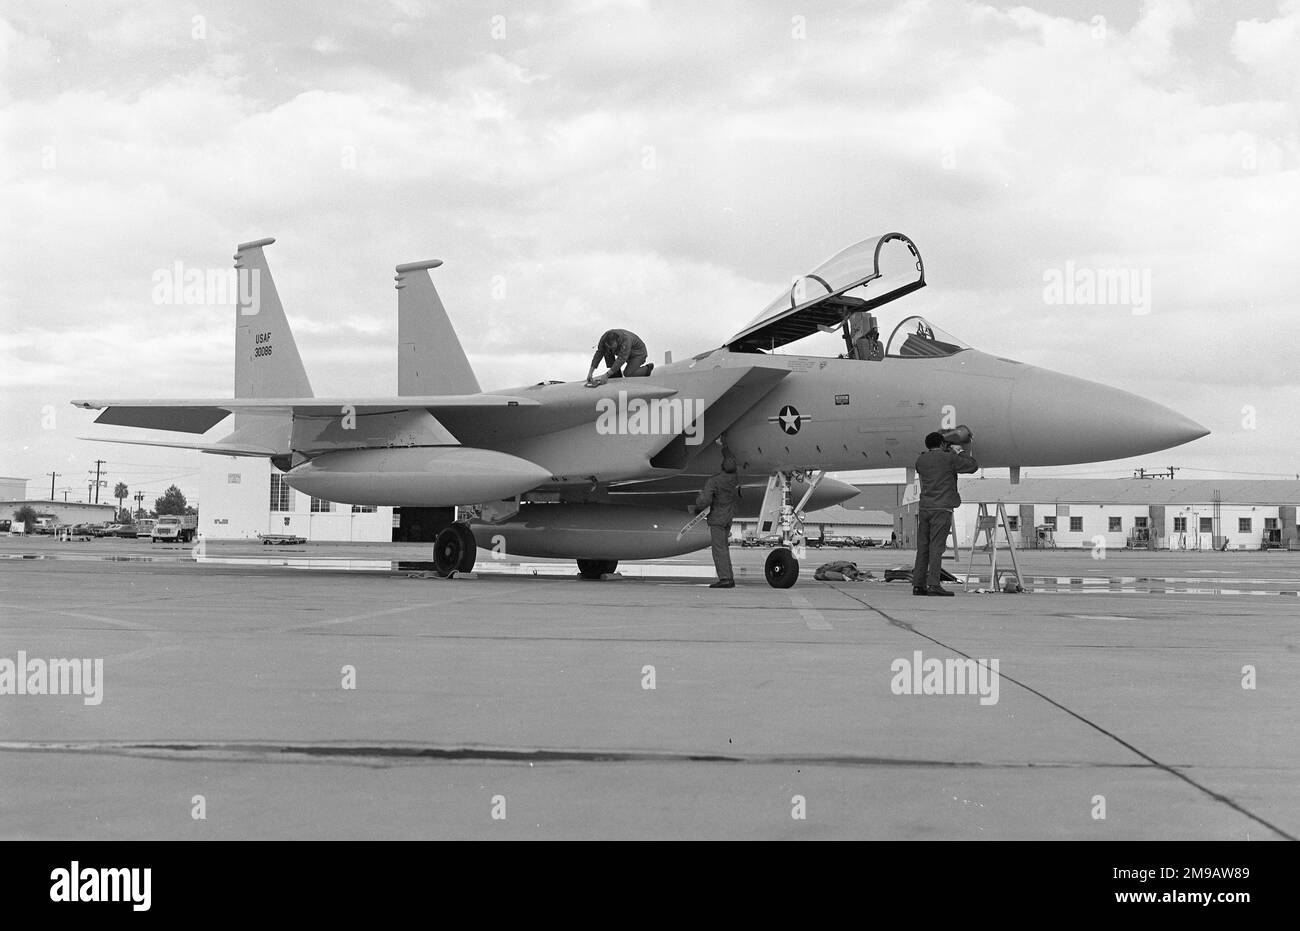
point(144, 527)
point(125, 530)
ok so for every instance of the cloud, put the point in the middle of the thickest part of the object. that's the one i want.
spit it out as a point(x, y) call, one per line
point(666, 168)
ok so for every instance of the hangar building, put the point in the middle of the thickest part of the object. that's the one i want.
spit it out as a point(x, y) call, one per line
point(1137, 513)
point(241, 497)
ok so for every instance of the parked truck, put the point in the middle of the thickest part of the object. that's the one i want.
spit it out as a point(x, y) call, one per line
point(175, 528)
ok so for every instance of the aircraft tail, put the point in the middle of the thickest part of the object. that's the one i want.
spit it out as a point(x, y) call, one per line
point(267, 364)
point(430, 359)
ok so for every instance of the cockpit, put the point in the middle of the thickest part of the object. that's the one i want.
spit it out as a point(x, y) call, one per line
point(841, 295)
point(917, 338)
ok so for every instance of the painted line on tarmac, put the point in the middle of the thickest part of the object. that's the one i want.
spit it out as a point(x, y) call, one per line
point(370, 615)
point(82, 616)
point(811, 616)
point(1216, 796)
point(389, 754)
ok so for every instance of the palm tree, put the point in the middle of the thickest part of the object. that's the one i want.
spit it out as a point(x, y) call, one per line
point(120, 492)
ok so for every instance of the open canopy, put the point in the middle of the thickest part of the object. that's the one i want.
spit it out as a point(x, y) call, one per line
point(821, 299)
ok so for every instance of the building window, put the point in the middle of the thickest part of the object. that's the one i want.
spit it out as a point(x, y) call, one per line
point(1140, 523)
point(1076, 525)
point(1207, 525)
point(1243, 525)
point(1270, 523)
point(1180, 525)
point(279, 493)
point(1013, 523)
point(1050, 521)
point(1115, 524)
point(321, 506)
point(363, 509)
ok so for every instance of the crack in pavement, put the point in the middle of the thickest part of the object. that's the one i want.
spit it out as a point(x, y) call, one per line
point(1173, 771)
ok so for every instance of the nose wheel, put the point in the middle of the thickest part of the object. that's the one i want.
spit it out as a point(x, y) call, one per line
point(781, 568)
point(454, 550)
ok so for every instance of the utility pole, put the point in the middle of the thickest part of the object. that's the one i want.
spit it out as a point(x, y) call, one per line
point(139, 501)
point(53, 476)
point(98, 463)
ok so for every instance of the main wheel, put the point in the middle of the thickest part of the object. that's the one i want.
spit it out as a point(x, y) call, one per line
point(470, 553)
point(781, 568)
point(595, 568)
point(449, 550)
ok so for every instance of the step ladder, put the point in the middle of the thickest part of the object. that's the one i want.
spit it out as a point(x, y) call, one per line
point(988, 523)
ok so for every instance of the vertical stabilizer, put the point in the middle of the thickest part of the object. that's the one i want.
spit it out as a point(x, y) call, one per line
point(430, 359)
point(267, 364)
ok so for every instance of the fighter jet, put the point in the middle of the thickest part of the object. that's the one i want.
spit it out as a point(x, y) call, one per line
point(602, 474)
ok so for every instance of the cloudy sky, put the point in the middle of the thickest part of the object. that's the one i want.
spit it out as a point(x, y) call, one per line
point(662, 166)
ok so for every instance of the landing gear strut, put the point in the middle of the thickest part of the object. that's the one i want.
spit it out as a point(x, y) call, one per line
point(454, 550)
point(595, 568)
point(786, 520)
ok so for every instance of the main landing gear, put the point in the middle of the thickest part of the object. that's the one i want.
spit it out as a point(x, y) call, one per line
point(784, 519)
point(454, 550)
point(594, 569)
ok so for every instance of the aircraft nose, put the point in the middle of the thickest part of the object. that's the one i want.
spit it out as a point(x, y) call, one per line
point(1059, 419)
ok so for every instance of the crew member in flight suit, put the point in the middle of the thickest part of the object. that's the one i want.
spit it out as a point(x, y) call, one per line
point(937, 468)
point(719, 495)
point(624, 353)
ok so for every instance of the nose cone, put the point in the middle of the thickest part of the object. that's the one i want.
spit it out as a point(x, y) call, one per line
point(829, 492)
point(1061, 420)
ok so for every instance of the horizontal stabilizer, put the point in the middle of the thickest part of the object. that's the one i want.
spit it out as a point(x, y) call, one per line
point(197, 418)
point(224, 449)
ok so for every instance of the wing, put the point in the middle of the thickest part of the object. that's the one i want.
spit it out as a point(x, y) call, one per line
point(201, 415)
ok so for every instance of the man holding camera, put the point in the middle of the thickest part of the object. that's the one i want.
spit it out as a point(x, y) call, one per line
point(938, 468)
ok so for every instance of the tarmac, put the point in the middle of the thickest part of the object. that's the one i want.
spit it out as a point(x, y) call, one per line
point(1139, 696)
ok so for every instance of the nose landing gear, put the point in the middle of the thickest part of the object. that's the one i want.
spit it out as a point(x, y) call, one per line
point(778, 516)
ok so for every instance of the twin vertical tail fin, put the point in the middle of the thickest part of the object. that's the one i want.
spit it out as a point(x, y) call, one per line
point(267, 363)
point(430, 359)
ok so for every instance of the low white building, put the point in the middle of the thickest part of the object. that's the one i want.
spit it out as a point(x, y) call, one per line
point(1142, 513)
point(59, 513)
point(241, 497)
